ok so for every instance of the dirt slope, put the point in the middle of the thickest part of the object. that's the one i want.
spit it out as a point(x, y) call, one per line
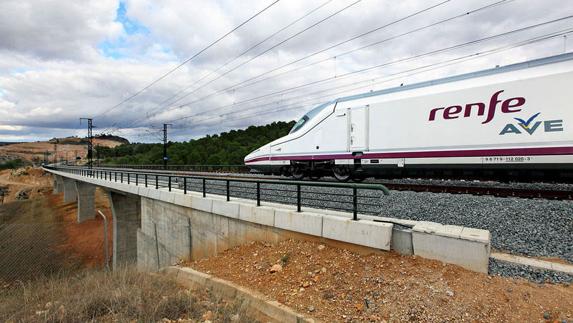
point(336, 285)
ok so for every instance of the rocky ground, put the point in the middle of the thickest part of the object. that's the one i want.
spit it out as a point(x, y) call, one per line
point(23, 183)
point(336, 285)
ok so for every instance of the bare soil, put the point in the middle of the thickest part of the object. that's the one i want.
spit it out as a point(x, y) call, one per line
point(333, 284)
point(32, 180)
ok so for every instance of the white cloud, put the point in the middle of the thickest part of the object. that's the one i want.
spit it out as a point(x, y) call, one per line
point(54, 68)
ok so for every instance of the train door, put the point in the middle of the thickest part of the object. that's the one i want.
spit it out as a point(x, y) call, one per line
point(358, 122)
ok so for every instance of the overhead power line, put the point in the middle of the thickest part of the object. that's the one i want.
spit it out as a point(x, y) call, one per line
point(245, 52)
point(271, 48)
point(399, 75)
point(338, 77)
point(243, 85)
point(188, 60)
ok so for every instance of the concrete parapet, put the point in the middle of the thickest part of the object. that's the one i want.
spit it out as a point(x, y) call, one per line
point(126, 210)
point(86, 201)
point(70, 193)
point(361, 232)
point(303, 222)
point(256, 214)
point(466, 247)
point(224, 208)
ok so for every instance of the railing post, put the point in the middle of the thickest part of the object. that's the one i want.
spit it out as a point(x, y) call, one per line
point(258, 194)
point(228, 191)
point(156, 181)
point(115, 176)
point(145, 180)
point(121, 179)
point(169, 184)
point(355, 203)
point(204, 188)
point(298, 198)
point(136, 179)
point(127, 178)
point(184, 185)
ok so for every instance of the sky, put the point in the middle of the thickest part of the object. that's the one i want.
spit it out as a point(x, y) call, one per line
point(65, 60)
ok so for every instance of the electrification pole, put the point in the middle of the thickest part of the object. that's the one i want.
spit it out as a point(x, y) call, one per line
point(90, 140)
point(165, 158)
point(56, 151)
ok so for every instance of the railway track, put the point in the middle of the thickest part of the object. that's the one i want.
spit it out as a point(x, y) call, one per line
point(452, 188)
point(483, 190)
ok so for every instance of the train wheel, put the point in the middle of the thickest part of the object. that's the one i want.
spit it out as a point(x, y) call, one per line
point(341, 173)
point(358, 179)
point(314, 177)
point(297, 173)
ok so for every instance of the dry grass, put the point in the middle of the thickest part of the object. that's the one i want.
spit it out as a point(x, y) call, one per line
point(119, 296)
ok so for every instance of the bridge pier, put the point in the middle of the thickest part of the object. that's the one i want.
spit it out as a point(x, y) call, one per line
point(86, 201)
point(126, 211)
point(70, 193)
point(58, 184)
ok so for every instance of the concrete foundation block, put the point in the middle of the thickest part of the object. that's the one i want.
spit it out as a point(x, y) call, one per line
point(402, 240)
point(224, 208)
point(303, 222)
point(361, 232)
point(86, 201)
point(202, 203)
point(450, 244)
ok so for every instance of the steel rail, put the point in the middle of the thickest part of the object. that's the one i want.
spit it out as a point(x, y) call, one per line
point(498, 191)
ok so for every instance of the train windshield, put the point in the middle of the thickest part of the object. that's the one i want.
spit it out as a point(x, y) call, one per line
point(304, 120)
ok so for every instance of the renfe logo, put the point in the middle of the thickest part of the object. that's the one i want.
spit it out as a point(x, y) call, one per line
point(510, 105)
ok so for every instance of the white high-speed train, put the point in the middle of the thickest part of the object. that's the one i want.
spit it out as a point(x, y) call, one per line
point(507, 122)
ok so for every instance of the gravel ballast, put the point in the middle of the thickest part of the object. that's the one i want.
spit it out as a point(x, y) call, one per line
point(500, 268)
point(533, 227)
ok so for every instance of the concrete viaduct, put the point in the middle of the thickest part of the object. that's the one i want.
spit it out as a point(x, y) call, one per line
point(155, 228)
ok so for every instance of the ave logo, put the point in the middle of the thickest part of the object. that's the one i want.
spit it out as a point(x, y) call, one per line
point(531, 125)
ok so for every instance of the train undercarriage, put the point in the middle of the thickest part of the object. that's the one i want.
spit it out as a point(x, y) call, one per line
point(357, 172)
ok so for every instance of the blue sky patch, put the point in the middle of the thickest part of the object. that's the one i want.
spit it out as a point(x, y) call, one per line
point(118, 48)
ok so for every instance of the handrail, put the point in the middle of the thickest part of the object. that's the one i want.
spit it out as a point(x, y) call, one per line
point(153, 178)
point(379, 187)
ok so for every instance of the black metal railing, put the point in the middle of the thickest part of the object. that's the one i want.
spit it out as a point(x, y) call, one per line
point(187, 168)
point(347, 197)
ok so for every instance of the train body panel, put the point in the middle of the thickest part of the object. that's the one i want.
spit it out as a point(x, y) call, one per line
point(516, 115)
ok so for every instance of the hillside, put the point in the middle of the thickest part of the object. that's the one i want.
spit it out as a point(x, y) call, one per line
point(227, 148)
point(67, 148)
